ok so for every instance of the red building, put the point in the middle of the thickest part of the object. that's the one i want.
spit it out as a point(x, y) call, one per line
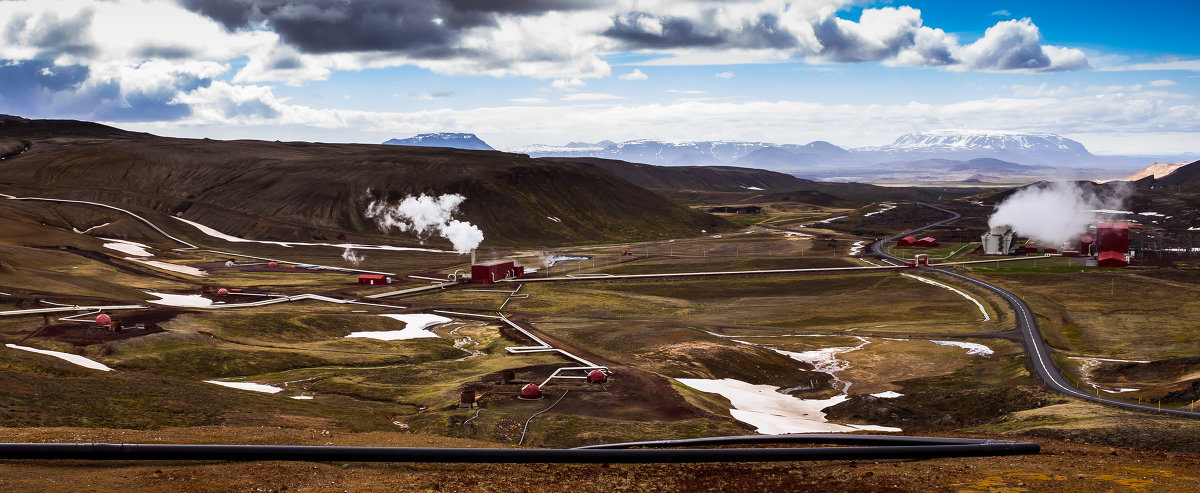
point(926, 242)
point(1112, 259)
point(494, 270)
point(907, 241)
point(1112, 237)
point(374, 279)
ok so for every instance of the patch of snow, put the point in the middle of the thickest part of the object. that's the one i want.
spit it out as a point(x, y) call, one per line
point(773, 413)
point(549, 261)
point(192, 300)
point(302, 397)
point(856, 248)
point(415, 325)
point(1120, 391)
point(986, 317)
point(255, 387)
point(971, 347)
point(887, 395)
point(887, 206)
point(127, 247)
point(716, 236)
point(217, 234)
point(832, 219)
point(182, 269)
point(1109, 211)
point(72, 358)
point(1150, 214)
point(825, 360)
point(555, 219)
point(751, 188)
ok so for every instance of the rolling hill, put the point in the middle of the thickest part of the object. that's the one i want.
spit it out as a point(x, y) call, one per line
point(302, 191)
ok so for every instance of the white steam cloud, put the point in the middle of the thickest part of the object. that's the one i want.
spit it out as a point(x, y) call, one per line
point(426, 215)
point(353, 257)
point(1052, 213)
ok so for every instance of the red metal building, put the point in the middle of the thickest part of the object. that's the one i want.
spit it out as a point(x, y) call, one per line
point(495, 270)
point(1112, 259)
point(926, 242)
point(374, 279)
point(1112, 237)
point(907, 241)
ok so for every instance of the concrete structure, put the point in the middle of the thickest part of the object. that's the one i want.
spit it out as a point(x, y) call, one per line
point(1000, 240)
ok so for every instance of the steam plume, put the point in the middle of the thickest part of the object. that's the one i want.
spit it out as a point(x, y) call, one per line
point(353, 257)
point(1052, 213)
point(426, 215)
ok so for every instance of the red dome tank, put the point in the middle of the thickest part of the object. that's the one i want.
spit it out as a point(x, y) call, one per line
point(272, 265)
point(530, 391)
point(103, 319)
point(222, 292)
point(596, 376)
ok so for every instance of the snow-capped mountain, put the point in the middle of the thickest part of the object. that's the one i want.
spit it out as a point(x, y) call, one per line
point(697, 153)
point(1028, 148)
point(444, 139)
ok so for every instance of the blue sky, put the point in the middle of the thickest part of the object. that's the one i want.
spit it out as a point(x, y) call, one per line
point(1118, 77)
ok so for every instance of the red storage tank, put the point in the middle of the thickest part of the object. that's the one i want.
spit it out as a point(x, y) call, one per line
point(222, 292)
point(596, 376)
point(530, 391)
point(272, 265)
point(103, 319)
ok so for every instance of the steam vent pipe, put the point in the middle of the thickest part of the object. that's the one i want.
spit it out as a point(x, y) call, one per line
point(861, 447)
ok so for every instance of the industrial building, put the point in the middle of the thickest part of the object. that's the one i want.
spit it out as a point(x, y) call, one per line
point(374, 279)
point(906, 242)
point(1000, 240)
point(1112, 241)
point(926, 242)
point(494, 270)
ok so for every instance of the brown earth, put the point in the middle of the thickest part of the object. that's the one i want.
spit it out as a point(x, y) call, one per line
point(1061, 466)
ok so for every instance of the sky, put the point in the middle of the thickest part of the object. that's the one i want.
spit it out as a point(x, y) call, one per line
point(1120, 77)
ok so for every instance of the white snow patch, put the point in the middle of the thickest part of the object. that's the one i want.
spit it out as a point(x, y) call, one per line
point(856, 248)
point(549, 261)
point(887, 206)
point(192, 300)
point(302, 397)
point(182, 269)
point(555, 219)
point(73, 358)
point(971, 347)
point(256, 387)
point(415, 325)
point(773, 413)
point(1150, 214)
point(986, 317)
point(891, 394)
point(1119, 391)
point(1109, 211)
point(217, 234)
point(832, 219)
point(127, 247)
point(751, 188)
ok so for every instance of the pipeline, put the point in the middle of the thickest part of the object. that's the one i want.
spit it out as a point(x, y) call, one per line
point(889, 447)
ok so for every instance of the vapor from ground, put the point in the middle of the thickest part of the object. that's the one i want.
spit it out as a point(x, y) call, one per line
point(1053, 212)
point(426, 215)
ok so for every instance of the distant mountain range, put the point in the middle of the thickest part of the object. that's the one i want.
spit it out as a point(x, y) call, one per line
point(444, 139)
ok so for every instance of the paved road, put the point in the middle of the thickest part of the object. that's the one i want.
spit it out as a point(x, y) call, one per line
point(1031, 336)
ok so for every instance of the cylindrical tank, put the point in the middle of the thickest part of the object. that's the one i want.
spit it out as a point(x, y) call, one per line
point(222, 292)
point(597, 376)
point(466, 399)
point(272, 264)
point(530, 391)
point(506, 375)
point(103, 319)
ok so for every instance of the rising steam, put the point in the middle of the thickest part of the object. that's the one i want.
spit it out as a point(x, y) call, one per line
point(353, 257)
point(426, 215)
point(1052, 213)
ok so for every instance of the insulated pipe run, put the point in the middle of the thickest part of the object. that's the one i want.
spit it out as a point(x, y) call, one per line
point(160, 452)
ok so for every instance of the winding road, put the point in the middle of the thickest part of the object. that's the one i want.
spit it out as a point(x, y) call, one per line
point(1031, 336)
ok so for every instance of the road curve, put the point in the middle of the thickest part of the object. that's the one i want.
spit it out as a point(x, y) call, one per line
point(1031, 336)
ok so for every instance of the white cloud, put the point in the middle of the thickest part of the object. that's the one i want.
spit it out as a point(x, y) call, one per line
point(567, 84)
point(530, 100)
point(635, 75)
point(686, 91)
point(725, 75)
point(1161, 83)
point(1016, 45)
point(1002, 13)
point(590, 96)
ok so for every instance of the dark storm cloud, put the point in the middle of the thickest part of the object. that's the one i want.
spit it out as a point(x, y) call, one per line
point(679, 32)
point(426, 29)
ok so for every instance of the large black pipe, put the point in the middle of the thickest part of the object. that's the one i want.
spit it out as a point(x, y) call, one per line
point(160, 452)
point(812, 438)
